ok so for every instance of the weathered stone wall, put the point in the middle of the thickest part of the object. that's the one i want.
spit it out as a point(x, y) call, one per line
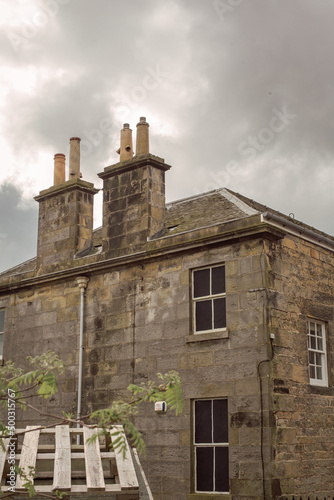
point(303, 286)
point(133, 204)
point(65, 224)
point(138, 323)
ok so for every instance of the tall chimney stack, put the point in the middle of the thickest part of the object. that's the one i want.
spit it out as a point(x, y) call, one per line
point(126, 149)
point(59, 169)
point(133, 198)
point(142, 141)
point(75, 158)
point(65, 221)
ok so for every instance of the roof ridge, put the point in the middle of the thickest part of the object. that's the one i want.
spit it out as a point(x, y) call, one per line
point(193, 197)
point(245, 207)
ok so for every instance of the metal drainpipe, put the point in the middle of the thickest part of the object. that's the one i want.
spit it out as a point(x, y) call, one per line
point(82, 283)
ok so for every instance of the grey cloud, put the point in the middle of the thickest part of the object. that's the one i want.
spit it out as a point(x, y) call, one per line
point(225, 77)
point(18, 228)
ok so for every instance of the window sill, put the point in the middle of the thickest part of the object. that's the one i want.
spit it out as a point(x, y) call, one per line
point(318, 389)
point(200, 337)
point(207, 496)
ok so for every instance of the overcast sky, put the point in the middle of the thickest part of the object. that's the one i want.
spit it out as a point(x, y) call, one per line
point(238, 93)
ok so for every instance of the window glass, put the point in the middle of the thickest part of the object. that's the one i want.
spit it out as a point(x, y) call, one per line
point(211, 461)
point(218, 280)
point(220, 419)
point(221, 469)
point(209, 301)
point(203, 432)
point(203, 315)
point(202, 283)
point(219, 313)
point(205, 464)
point(317, 353)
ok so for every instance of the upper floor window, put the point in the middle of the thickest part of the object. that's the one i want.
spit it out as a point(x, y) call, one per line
point(209, 299)
point(211, 446)
point(317, 353)
point(2, 330)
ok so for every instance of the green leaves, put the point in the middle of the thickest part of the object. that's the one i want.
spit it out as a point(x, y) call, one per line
point(42, 378)
point(116, 420)
point(169, 390)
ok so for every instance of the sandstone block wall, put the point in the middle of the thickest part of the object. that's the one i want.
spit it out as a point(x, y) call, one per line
point(138, 322)
point(303, 283)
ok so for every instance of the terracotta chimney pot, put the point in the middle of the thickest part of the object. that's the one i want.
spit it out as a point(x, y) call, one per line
point(59, 169)
point(75, 158)
point(142, 142)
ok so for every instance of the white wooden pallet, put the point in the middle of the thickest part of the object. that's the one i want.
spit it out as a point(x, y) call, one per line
point(103, 473)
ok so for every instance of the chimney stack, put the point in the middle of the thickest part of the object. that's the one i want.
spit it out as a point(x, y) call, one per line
point(75, 158)
point(59, 169)
point(142, 141)
point(126, 149)
point(133, 197)
point(65, 223)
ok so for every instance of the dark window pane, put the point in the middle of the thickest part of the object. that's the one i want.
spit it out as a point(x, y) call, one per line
point(219, 308)
point(203, 315)
point(312, 371)
point(221, 470)
point(313, 342)
point(220, 421)
point(319, 344)
point(2, 320)
point(319, 373)
point(311, 357)
point(218, 280)
point(201, 283)
point(203, 422)
point(204, 469)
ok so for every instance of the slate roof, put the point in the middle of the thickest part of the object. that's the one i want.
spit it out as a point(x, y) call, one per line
point(195, 212)
point(263, 208)
point(204, 210)
point(24, 267)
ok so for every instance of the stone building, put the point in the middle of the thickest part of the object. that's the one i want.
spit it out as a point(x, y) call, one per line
point(236, 297)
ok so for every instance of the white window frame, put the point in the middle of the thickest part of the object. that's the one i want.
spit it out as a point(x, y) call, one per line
point(2, 332)
point(213, 445)
point(320, 353)
point(207, 297)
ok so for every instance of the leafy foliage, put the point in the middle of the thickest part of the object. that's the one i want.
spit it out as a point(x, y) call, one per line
point(41, 381)
point(122, 412)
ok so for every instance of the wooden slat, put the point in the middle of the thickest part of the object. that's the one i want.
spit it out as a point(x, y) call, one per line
point(74, 455)
point(125, 468)
point(94, 470)
point(79, 489)
point(62, 465)
point(28, 454)
point(3, 454)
